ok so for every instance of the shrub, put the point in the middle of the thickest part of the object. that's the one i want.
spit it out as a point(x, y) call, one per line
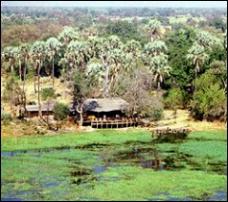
point(47, 93)
point(152, 108)
point(60, 111)
point(6, 117)
point(208, 99)
point(174, 99)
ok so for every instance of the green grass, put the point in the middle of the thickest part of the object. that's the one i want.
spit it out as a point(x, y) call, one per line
point(141, 184)
point(206, 149)
point(75, 139)
point(209, 135)
point(47, 175)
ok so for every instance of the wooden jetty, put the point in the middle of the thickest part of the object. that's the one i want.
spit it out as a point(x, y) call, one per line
point(168, 134)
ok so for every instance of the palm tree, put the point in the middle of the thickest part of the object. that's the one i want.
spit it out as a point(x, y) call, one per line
point(154, 48)
point(159, 68)
point(154, 56)
point(154, 27)
point(53, 46)
point(132, 52)
point(95, 73)
point(115, 59)
point(67, 35)
point(23, 56)
point(24, 51)
point(10, 55)
point(197, 56)
point(38, 56)
point(111, 55)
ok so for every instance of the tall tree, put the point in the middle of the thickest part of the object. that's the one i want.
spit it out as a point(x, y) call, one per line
point(38, 56)
point(53, 46)
point(154, 27)
point(132, 50)
point(67, 35)
point(155, 57)
point(159, 68)
point(197, 56)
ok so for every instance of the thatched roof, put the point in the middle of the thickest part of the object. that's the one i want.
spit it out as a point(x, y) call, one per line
point(105, 104)
point(44, 107)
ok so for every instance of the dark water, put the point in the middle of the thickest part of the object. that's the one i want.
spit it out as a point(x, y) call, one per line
point(218, 196)
point(11, 199)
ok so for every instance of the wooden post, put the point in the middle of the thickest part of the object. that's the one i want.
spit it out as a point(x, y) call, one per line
point(117, 123)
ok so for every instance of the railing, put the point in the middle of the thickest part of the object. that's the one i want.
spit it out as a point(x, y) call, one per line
point(112, 123)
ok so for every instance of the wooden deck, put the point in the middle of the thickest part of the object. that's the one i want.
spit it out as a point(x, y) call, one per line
point(111, 124)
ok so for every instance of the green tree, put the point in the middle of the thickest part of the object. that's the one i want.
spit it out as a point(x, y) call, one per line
point(61, 112)
point(48, 94)
point(53, 48)
point(154, 27)
point(38, 56)
point(208, 99)
point(197, 56)
point(67, 35)
point(155, 57)
point(181, 75)
point(174, 99)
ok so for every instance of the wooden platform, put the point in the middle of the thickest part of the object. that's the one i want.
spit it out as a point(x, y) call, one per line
point(112, 124)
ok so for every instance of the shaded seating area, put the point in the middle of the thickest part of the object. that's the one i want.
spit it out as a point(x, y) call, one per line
point(107, 113)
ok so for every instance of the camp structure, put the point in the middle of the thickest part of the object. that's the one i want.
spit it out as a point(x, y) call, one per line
point(107, 113)
point(33, 110)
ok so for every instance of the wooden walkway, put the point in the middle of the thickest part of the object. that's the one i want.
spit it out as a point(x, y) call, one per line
point(113, 124)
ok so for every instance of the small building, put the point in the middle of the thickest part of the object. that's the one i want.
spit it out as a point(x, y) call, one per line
point(33, 110)
point(107, 112)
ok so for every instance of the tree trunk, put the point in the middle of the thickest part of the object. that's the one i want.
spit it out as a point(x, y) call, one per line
point(39, 103)
point(12, 69)
point(106, 86)
point(20, 71)
point(80, 111)
point(23, 86)
point(195, 80)
point(159, 86)
point(48, 114)
point(53, 71)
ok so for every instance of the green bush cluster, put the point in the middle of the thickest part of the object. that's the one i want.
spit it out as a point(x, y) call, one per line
point(6, 117)
point(208, 99)
point(60, 111)
point(174, 99)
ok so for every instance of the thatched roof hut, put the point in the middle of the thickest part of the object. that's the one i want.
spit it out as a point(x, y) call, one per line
point(44, 107)
point(33, 110)
point(105, 105)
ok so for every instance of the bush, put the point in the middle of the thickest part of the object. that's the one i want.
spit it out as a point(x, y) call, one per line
point(174, 99)
point(208, 99)
point(47, 93)
point(6, 117)
point(60, 111)
point(152, 108)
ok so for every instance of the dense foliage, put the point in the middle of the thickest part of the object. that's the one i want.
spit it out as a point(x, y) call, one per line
point(60, 111)
point(208, 99)
point(150, 62)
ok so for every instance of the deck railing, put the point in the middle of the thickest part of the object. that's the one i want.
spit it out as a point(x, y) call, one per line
point(112, 123)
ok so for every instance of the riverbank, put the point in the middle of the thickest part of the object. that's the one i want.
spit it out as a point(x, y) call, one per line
point(21, 128)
